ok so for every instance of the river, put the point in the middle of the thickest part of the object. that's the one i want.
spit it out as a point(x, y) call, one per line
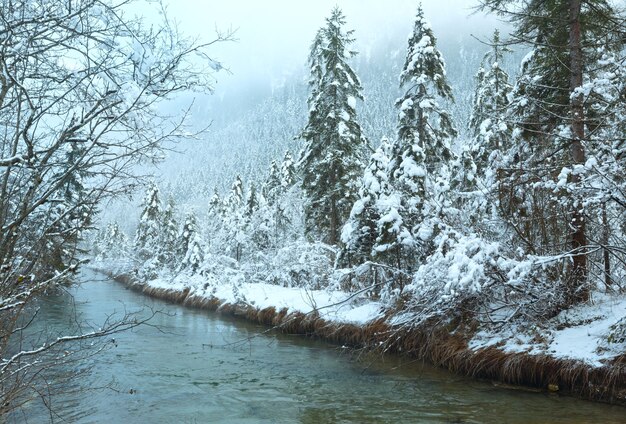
point(192, 366)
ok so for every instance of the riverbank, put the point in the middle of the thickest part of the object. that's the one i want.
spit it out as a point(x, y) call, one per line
point(190, 365)
point(350, 319)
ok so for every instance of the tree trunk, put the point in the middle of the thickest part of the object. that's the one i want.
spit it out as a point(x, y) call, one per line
point(605, 250)
point(577, 290)
point(332, 239)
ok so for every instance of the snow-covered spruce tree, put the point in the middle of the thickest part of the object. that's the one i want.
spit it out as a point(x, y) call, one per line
point(214, 216)
point(110, 242)
point(116, 244)
point(360, 231)
point(272, 186)
point(475, 173)
point(194, 256)
point(252, 200)
point(287, 171)
point(169, 234)
point(215, 209)
point(187, 234)
point(98, 243)
point(234, 201)
point(466, 191)
point(316, 68)
point(149, 228)
point(271, 218)
point(330, 161)
point(418, 170)
point(73, 213)
point(260, 225)
point(488, 124)
point(234, 221)
point(215, 203)
point(546, 208)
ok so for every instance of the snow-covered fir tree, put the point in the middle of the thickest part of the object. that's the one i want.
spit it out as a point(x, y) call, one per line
point(330, 161)
point(422, 121)
point(187, 234)
point(234, 220)
point(361, 230)
point(110, 242)
point(489, 125)
point(234, 201)
point(169, 234)
point(74, 190)
point(287, 171)
point(194, 255)
point(149, 228)
point(475, 172)
point(215, 206)
point(260, 228)
point(214, 218)
point(272, 186)
point(252, 200)
point(71, 214)
point(316, 67)
point(418, 169)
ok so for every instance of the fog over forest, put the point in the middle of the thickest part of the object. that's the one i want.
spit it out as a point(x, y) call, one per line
point(259, 103)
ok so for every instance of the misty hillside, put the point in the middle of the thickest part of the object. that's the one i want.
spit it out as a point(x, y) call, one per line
point(258, 123)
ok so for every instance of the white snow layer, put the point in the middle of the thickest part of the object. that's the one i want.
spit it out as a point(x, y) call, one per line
point(334, 306)
point(579, 333)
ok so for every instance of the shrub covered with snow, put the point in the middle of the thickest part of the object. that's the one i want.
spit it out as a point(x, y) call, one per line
point(298, 264)
point(617, 332)
point(467, 275)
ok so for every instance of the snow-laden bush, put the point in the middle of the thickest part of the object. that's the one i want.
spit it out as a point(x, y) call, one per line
point(150, 269)
point(617, 332)
point(297, 264)
point(459, 265)
point(467, 275)
point(376, 281)
point(220, 269)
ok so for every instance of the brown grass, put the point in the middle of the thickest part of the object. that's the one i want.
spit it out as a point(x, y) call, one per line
point(435, 344)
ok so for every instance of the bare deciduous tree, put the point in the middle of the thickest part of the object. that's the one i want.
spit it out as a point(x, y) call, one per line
point(82, 84)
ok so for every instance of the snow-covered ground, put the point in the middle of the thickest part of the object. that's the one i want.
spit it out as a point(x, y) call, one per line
point(331, 305)
point(579, 333)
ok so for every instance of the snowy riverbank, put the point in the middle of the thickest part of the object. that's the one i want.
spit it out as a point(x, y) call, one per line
point(333, 306)
point(230, 288)
point(581, 333)
point(568, 353)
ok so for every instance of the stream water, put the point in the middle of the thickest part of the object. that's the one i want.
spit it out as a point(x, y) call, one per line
point(192, 366)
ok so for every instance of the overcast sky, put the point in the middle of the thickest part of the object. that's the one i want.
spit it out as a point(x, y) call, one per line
point(274, 35)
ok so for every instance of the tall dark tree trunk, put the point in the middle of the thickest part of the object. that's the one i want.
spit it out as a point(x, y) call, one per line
point(577, 290)
point(332, 239)
point(334, 213)
point(608, 282)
